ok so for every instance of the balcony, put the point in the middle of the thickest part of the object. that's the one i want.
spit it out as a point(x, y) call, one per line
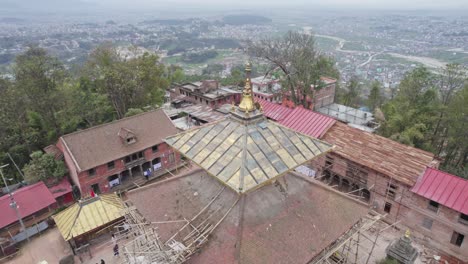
point(134, 163)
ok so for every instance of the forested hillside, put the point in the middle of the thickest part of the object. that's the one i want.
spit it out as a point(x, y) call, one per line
point(44, 100)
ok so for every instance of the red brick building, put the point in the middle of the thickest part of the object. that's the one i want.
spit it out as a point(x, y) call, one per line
point(114, 155)
point(267, 89)
point(205, 92)
point(394, 179)
point(437, 206)
point(320, 97)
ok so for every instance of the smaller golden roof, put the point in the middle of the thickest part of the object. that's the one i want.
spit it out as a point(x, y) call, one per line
point(89, 214)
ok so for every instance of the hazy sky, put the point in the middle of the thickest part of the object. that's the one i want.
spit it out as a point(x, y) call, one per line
point(175, 4)
point(385, 4)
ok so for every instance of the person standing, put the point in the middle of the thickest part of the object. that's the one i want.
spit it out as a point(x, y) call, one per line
point(116, 250)
point(114, 240)
point(103, 262)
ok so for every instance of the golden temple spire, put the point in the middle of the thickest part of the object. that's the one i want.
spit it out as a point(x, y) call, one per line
point(407, 233)
point(247, 103)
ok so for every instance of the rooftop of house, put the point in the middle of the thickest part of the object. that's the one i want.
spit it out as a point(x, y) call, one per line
point(274, 111)
point(199, 111)
point(263, 80)
point(101, 144)
point(209, 89)
point(29, 199)
point(62, 188)
point(347, 114)
point(443, 188)
point(401, 162)
point(89, 214)
point(289, 221)
point(308, 122)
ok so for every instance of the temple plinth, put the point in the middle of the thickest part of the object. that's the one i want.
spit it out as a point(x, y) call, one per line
point(402, 250)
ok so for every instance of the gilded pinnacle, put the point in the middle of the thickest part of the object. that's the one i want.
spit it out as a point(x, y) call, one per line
point(247, 103)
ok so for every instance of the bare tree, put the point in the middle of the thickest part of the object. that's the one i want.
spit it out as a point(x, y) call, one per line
point(296, 56)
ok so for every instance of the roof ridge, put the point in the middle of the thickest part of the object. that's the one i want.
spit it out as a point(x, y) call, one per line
point(112, 122)
point(23, 189)
point(243, 159)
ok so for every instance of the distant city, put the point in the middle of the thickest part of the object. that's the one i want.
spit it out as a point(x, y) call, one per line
point(379, 46)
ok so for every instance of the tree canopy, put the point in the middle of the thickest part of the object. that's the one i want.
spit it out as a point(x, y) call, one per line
point(45, 100)
point(430, 112)
point(42, 167)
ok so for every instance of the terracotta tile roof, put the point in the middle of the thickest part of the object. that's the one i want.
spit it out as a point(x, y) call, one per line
point(55, 151)
point(30, 199)
point(328, 80)
point(290, 221)
point(444, 188)
point(101, 144)
point(404, 163)
point(308, 122)
point(274, 111)
point(89, 214)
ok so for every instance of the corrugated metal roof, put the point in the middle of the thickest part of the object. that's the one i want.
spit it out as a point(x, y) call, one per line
point(274, 111)
point(89, 214)
point(30, 199)
point(444, 188)
point(308, 122)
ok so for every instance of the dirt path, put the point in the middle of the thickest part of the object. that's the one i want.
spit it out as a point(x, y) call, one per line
point(48, 246)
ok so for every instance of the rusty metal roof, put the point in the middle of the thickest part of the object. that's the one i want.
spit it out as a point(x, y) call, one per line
point(444, 188)
point(245, 154)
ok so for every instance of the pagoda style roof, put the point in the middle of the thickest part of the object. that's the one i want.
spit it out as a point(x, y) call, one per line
point(89, 214)
point(246, 153)
point(292, 221)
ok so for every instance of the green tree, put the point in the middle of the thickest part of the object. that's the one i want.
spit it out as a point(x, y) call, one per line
point(375, 98)
point(175, 74)
point(412, 114)
point(38, 79)
point(133, 111)
point(128, 83)
point(350, 97)
point(455, 142)
point(450, 82)
point(85, 106)
point(43, 167)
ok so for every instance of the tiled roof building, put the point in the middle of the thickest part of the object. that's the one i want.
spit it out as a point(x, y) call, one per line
point(115, 154)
